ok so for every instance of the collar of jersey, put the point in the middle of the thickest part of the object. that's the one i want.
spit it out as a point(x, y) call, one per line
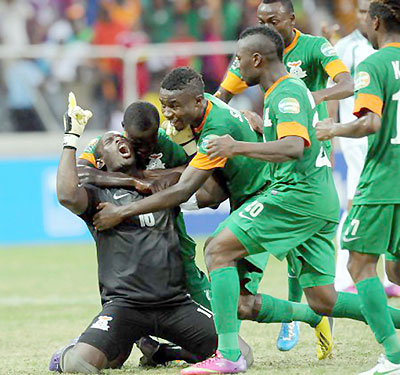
point(293, 43)
point(200, 127)
point(276, 83)
point(392, 45)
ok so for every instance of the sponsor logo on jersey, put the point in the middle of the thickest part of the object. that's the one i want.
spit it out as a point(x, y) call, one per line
point(155, 162)
point(295, 69)
point(102, 323)
point(328, 50)
point(362, 80)
point(289, 105)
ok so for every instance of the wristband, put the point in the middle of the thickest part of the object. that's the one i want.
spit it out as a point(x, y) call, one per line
point(71, 141)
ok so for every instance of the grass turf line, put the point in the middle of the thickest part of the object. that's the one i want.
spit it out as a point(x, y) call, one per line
point(49, 294)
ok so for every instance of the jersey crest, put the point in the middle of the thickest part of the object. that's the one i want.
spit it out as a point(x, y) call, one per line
point(155, 162)
point(296, 70)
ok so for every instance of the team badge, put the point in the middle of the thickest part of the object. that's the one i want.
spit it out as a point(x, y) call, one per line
point(289, 105)
point(362, 80)
point(328, 50)
point(155, 162)
point(102, 323)
point(295, 69)
point(235, 64)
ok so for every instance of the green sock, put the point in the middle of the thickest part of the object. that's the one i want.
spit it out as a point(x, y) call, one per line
point(348, 305)
point(274, 310)
point(225, 289)
point(295, 290)
point(374, 307)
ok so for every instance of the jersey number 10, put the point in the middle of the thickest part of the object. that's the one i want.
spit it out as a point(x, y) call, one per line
point(147, 220)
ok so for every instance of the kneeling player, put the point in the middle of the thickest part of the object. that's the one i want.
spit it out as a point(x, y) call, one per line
point(140, 270)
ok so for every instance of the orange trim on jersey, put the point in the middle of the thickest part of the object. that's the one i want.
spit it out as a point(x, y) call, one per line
point(394, 44)
point(288, 129)
point(336, 67)
point(276, 84)
point(368, 101)
point(293, 42)
point(233, 84)
point(89, 157)
point(200, 127)
point(201, 161)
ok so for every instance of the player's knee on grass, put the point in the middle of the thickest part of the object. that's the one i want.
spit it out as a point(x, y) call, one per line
point(362, 266)
point(321, 299)
point(248, 308)
point(393, 271)
point(83, 358)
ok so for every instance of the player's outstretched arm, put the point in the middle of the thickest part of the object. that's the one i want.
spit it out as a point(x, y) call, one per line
point(343, 89)
point(70, 194)
point(288, 148)
point(368, 123)
point(110, 215)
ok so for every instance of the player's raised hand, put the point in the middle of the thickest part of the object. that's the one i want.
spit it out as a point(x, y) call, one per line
point(221, 146)
point(75, 120)
point(324, 129)
point(108, 216)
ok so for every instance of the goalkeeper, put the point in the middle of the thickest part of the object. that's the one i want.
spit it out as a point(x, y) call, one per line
point(140, 269)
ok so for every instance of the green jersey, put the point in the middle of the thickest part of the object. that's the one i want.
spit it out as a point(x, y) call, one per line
point(304, 186)
point(243, 176)
point(166, 153)
point(310, 58)
point(378, 90)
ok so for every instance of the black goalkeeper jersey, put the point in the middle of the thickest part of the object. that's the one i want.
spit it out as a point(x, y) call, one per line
point(139, 262)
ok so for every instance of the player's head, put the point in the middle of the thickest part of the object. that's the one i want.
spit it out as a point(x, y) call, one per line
point(181, 96)
point(114, 153)
point(259, 47)
point(141, 121)
point(362, 14)
point(278, 14)
point(384, 18)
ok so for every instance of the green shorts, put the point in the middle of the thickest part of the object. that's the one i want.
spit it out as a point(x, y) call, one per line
point(250, 269)
point(373, 229)
point(263, 226)
point(196, 280)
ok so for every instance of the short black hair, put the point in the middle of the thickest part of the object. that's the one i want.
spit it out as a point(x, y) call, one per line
point(286, 3)
point(182, 78)
point(141, 115)
point(269, 33)
point(388, 11)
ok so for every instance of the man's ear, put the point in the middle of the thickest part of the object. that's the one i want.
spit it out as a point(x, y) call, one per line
point(100, 164)
point(376, 23)
point(293, 19)
point(199, 98)
point(257, 59)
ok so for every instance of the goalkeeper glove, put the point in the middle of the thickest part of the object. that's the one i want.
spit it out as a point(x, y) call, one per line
point(75, 120)
point(184, 137)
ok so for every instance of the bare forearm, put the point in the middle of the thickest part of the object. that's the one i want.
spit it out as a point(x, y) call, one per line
point(363, 126)
point(275, 151)
point(336, 92)
point(69, 193)
point(224, 95)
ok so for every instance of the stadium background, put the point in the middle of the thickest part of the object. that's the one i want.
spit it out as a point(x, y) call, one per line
point(109, 53)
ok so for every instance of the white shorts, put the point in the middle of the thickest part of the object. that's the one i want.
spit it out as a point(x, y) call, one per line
point(354, 152)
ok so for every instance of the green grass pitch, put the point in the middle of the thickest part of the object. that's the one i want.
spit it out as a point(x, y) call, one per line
point(49, 294)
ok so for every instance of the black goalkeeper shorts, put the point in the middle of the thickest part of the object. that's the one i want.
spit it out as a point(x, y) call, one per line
point(116, 329)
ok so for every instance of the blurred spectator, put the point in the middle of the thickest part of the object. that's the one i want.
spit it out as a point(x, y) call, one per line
point(14, 17)
point(23, 79)
point(158, 20)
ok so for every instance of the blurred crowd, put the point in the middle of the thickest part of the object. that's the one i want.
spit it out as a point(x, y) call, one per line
point(33, 91)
